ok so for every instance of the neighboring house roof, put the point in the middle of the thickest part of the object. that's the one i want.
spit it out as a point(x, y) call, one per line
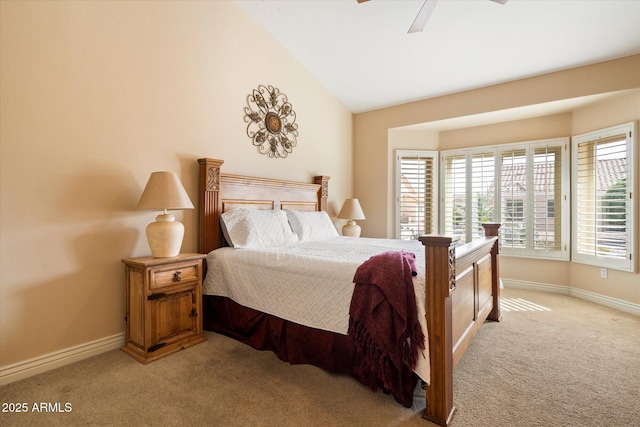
point(608, 172)
point(408, 190)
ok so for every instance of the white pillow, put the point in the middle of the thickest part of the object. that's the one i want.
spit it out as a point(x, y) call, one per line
point(251, 228)
point(315, 225)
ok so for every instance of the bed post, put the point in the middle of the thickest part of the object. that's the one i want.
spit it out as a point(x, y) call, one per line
point(209, 216)
point(491, 230)
point(323, 180)
point(439, 282)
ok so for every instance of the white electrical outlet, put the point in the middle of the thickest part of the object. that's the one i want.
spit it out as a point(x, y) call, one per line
point(604, 273)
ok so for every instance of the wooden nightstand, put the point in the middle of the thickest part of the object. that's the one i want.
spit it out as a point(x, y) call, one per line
point(163, 298)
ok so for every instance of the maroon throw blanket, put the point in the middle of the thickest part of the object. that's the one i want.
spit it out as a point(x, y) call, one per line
point(383, 321)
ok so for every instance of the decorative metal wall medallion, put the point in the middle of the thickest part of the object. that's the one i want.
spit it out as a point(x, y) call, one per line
point(271, 122)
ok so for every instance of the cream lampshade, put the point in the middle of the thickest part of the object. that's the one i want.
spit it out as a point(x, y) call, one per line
point(351, 210)
point(164, 191)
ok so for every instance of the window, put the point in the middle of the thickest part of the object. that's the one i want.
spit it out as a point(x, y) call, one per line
point(523, 186)
point(417, 184)
point(483, 183)
point(469, 188)
point(514, 210)
point(454, 191)
point(513, 224)
point(550, 176)
point(513, 185)
point(603, 214)
point(534, 194)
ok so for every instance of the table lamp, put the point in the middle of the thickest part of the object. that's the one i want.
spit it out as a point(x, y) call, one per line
point(164, 191)
point(351, 210)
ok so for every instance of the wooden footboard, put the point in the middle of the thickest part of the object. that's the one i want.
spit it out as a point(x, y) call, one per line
point(462, 291)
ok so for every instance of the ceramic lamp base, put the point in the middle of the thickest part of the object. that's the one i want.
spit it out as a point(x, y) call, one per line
point(165, 236)
point(351, 229)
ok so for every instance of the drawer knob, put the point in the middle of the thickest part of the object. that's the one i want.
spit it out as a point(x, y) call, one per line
point(176, 276)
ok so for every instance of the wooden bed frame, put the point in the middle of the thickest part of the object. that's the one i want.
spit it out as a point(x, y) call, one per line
point(462, 281)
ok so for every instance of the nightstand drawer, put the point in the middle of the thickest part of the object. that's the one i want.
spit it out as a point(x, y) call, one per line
point(176, 274)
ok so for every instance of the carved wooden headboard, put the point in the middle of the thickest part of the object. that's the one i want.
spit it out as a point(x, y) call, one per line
point(220, 192)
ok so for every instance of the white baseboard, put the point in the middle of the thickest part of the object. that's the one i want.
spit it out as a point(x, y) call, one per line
point(47, 362)
point(622, 305)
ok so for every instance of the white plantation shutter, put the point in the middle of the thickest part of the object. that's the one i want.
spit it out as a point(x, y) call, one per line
point(513, 201)
point(524, 186)
point(483, 192)
point(468, 192)
point(603, 215)
point(454, 200)
point(548, 206)
point(534, 199)
point(417, 187)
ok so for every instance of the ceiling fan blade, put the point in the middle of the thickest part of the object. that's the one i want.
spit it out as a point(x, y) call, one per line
point(423, 16)
point(425, 12)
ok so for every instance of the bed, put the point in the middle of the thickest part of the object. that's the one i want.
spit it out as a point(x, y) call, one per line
point(456, 293)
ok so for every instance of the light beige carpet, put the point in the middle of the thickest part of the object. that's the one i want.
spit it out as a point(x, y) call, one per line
point(570, 363)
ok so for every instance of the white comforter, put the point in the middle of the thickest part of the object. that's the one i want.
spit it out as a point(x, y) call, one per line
point(309, 283)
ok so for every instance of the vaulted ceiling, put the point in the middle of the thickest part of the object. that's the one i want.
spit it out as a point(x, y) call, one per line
point(362, 53)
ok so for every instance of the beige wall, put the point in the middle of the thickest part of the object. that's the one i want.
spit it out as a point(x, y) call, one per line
point(376, 133)
point(97, 95)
